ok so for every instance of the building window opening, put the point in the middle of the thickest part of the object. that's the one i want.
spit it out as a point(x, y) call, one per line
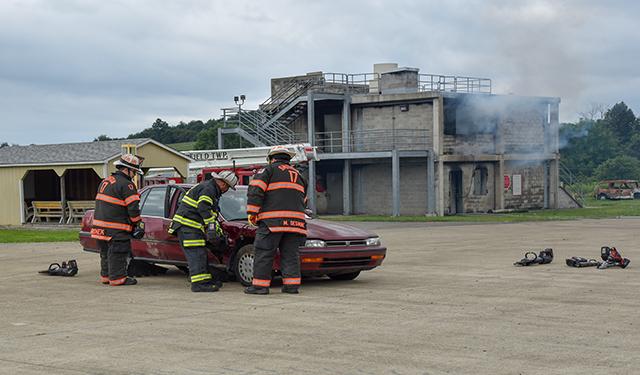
point(480, 175)
point(449, 109)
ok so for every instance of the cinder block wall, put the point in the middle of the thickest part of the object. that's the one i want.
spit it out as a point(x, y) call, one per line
point(419, 116)
point(523, 126)
point(532, 185)
point(413, 187)
point(472, 203)
point(372, 188)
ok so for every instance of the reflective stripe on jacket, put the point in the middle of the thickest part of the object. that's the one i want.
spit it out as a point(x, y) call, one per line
point(117, 208)
point(198, 207)
point(277, 196)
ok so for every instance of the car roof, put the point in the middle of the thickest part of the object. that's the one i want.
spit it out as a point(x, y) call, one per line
point(188, 186)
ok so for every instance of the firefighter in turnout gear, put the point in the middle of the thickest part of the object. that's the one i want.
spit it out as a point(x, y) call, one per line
point(195, 221)
point(276, 204)
point(116, 219)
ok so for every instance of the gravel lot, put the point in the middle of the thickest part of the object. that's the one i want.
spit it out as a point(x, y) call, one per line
point(446, 301)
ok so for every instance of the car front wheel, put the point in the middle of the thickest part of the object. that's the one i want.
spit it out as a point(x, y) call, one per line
point(602, 197)
point(243, 265)
point(344, 276)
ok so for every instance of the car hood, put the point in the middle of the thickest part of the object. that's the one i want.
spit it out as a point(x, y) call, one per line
point(331, 231)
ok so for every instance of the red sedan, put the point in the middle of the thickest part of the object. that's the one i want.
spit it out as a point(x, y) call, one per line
point(336, 250)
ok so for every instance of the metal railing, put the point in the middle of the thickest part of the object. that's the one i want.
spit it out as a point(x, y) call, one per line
point(264, 124)
point(251, 121)
point(434, 82)
point(373, 140)
point(569, 182)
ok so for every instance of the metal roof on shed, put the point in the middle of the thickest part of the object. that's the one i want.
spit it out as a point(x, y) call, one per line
point(69, 153)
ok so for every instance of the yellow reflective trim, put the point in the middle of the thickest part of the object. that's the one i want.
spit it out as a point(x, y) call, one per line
point(193, 243)
point(188, 222)
point(200, 277)
point(206, 199)
point(190, 202)
point(209, 220)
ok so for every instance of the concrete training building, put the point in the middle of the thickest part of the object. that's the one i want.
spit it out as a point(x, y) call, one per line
point(397, 142)
point(69, 172)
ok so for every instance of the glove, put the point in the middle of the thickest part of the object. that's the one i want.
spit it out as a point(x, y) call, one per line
point(253, 220)
point(138, 231)
point(214, 232)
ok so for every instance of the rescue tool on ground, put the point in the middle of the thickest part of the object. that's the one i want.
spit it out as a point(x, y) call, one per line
point(612, 258)
point(68, 268)
point(530, 258)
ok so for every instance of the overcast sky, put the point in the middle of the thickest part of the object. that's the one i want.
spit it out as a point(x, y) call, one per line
point(71, 70)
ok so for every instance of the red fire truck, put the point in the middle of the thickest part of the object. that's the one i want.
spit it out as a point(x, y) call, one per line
point(245, 162)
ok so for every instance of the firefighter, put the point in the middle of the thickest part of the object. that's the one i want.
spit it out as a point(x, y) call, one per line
point(276, 204)
point(195, 221)
point(117, 219)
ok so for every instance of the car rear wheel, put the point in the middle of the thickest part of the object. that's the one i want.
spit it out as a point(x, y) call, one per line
point(602, 197)
point(344, 276)
point(243, 265)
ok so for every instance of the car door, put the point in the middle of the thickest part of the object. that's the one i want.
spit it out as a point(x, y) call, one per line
point(172, 250)
point(155, 243)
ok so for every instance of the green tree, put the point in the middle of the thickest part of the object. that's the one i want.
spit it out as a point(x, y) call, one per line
point(633, 146)
point(102, 137)
point(622, 122)
point(587, 144)
point(4, 144)
point(620, 167)
point(208, 138)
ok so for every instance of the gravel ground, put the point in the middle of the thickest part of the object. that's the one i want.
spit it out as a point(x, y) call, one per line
point(447, 300)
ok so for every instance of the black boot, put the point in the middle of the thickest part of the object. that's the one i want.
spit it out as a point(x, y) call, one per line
point(204, 287)
point(127, 281)
point(290, 289)
point(256, 290)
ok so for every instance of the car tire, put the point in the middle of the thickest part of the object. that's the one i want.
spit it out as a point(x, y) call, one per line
point(602, 197)
point(636, 195)
point(243, 264)
point(344, 276)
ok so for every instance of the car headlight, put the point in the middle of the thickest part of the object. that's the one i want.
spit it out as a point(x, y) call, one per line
point(373, 241)
point(315, 243)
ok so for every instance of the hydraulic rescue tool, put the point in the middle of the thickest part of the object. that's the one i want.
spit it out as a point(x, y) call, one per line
point(582, 262)
point(530, 258)
point(612, 258)
point(69, 268)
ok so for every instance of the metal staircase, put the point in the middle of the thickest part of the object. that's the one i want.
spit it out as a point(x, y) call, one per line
point(568, 183)
point(269, 124)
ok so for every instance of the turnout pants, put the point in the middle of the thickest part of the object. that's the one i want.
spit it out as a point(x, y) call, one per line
point(193, 245)
point(265, 244)
point(114, 256)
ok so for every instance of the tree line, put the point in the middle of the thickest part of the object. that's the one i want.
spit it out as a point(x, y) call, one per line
point(604, 145)
point(204, 134)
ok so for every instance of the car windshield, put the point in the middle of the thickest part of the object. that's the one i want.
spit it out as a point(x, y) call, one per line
point(233, 205)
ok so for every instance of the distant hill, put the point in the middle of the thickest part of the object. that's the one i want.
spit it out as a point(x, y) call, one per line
point(192, 135)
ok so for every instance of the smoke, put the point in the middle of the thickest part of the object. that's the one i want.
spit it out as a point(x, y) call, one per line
point(569, 132)
point(537, 48)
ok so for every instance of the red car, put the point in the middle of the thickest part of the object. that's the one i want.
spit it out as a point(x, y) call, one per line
point(336, 250)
